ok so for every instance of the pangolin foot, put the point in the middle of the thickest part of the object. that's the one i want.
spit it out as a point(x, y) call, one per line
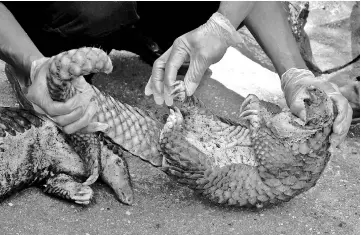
point(174, 120)
point(179, 91)
point(236, 135)
point(81, 195)
point(66, 187)
point(250, 110)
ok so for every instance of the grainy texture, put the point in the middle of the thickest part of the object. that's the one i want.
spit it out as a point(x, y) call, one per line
point(165, 207)
point(162, 206)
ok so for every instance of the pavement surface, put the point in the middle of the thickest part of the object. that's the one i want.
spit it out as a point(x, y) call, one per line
point(165, 207)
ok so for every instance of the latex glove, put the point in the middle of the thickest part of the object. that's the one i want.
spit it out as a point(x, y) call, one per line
point(73, 115)
point(201, 47)
point(294, 83)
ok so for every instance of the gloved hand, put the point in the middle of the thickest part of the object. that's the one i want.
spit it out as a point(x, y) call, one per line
point(201, 47)
point(73, 115)
point(294, 82)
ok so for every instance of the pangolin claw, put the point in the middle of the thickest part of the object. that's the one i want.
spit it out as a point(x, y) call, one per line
point(179, 91)
point(250, 111)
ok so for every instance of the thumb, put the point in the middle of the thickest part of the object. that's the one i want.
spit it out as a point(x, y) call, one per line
point(195, 73)
point(296, 101)
point(149, 88)
point(298, 109)
point(81, 84)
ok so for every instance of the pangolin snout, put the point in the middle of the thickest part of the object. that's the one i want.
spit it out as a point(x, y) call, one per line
point(126, 197)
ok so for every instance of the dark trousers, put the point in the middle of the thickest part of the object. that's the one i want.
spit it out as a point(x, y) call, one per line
point(60, 26)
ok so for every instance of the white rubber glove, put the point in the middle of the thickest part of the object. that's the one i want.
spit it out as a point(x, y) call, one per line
point(294, 82)
point(202, 47)
point(76, 114)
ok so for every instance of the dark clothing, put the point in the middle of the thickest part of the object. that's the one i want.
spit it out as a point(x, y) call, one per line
point(167, 20)
point(60, 26)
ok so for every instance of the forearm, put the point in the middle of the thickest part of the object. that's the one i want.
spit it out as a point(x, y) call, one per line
point(16, 48)
point(235, 11)
point(268, 23)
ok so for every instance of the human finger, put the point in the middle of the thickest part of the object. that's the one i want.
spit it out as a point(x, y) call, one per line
point(155, 84)
point(178, 55)
point(66, 119)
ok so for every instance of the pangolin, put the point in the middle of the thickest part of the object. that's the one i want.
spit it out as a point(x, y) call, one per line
point(34, 151)
point(261, 159)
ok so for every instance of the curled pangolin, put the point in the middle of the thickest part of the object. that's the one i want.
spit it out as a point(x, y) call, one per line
point(263, 158)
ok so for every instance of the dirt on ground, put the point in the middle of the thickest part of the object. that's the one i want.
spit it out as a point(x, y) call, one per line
point(165, 207)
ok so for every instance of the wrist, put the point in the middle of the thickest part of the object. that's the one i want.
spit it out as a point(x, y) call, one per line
point(28, 62)
point(225, 30)
point(294, 76)
point(35, 64)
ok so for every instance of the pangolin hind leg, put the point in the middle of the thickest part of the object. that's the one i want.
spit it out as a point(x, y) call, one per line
point(65, 186)
point(179, 155)
point(115, 173)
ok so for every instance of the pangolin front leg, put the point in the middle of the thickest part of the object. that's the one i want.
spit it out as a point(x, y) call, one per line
point(66, 187)
point(250, 111)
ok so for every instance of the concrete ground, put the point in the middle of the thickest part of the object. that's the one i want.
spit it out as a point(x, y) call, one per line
point(165, 207)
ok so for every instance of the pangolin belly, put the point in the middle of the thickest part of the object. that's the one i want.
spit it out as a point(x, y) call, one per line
point(33, 151)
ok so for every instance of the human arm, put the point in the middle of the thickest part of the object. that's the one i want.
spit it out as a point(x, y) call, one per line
point(201, 47)
point(207, 44)
point(268, 23)
point(28, 63)
point(16, 48)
